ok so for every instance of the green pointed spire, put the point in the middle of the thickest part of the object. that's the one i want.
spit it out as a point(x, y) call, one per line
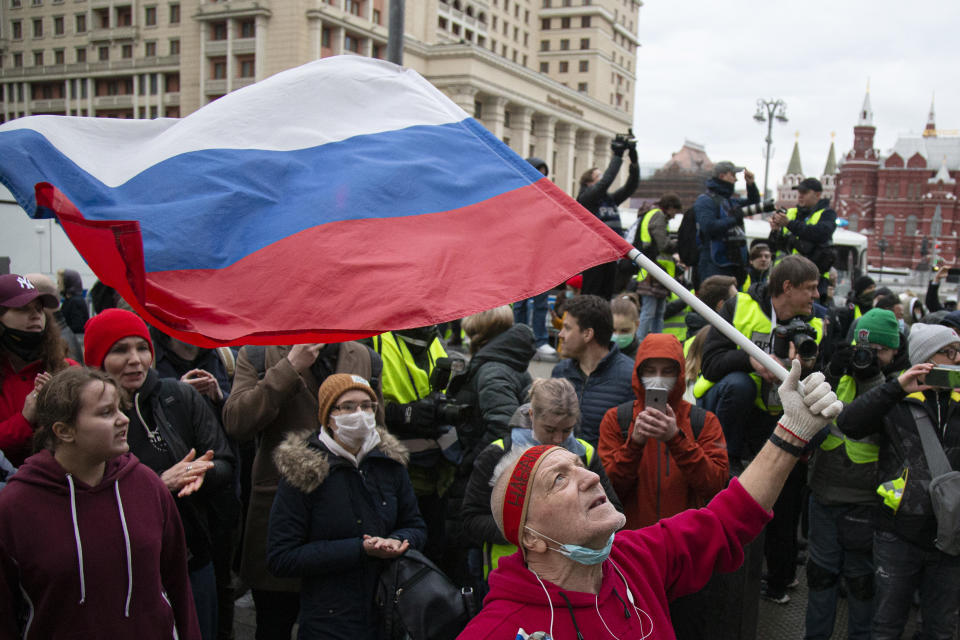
point(831, 167)
point(794, 168)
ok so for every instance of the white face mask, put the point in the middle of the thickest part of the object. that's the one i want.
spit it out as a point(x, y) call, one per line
point(353, 429)
point(657, 382)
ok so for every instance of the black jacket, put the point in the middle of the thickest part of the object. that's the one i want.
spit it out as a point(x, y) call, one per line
point(803, 237)
point(885, 410)
point(323, 508)
point(185, 421)
point(602, 204)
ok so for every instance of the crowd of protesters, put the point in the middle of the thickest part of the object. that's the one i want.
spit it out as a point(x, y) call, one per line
point(166, 480)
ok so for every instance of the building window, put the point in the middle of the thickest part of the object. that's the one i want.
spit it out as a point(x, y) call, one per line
point(584, 65)
point(442, 23)
point(911, 229)
point(351, 43)
point(477, 110)
point(103, 18)
point(585, 22)
point(506, 119)
point(325, 38)
point(103, 53)
point(218, 68)
point(59, 57)
point(582, 87)
point(218, 30)
point(564, 23)
point(38, 58)
point(175, 13)
point(150, 49)
point(245, 67)
point(16, 30)
point(584, 43)
point(545, 24)
point(353, 6)
point(58, 29)
point(38, 28)
point(248, 28)
point(124, 16)
point(81, 22)
point(126, 51)
point(150, 16)
point(81, 53)
point(564, 45)
point(892, 190)
point(544, 67)
point(175, 47)
point(546, 4)
point(171, 83)
point(564, 66)
point(455, 29)
point(544, 45)
point(18, 60)
point(15, 4)
point(377, 18)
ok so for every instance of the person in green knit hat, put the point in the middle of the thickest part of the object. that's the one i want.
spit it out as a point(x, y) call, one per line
point(842, 479)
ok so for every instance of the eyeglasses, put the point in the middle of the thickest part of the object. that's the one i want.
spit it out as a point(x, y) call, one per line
point(950, 352)
point(350, 407)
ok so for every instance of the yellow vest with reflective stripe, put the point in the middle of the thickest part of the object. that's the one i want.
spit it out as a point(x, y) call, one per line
point(493, 552)
point(675, 325)
point(812, 220)
point(399, 367)
point(750, 320)
point(862, 451)
point(645, 238)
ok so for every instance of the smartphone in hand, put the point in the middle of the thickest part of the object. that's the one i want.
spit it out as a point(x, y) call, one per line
point(656, 399)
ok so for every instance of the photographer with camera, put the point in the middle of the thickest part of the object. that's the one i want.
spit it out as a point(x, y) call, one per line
point(808, 228)
point(778, 317)
point(843, 484)
point(653, 241)
point(916, 418)
point(720, 233)
point(595, 198)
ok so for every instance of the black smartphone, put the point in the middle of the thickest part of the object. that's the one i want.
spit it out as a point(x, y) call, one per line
point(656, 399)
point(943, 376)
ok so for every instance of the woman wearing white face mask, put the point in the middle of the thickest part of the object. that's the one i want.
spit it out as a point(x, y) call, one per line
point(344, 504)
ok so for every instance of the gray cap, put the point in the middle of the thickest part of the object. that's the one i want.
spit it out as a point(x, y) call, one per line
point(927, 339)
point(725, 166)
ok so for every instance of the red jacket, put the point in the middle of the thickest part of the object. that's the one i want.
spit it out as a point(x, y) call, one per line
point(660, 563)
point(15, 432)
point(658, 480)
point(66, 570)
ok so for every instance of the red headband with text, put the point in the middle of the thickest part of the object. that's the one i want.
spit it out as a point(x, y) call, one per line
point(515, 500)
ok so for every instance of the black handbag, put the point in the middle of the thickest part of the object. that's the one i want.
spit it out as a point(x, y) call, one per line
point(416, 600)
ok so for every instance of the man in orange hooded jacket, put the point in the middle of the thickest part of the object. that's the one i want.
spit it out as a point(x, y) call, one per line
point(660, 468)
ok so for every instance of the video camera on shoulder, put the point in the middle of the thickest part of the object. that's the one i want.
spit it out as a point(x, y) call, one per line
point(800, 334)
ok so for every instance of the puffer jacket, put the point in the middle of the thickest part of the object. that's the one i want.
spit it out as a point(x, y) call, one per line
point(606, 387)
point(660, 479)
point(323, 508)
point(714, 220)
point(885, 411)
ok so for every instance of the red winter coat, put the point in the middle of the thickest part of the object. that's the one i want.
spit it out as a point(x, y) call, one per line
point(660, 479)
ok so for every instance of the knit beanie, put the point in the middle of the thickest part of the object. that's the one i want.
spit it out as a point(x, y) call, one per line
point(861, 284)
point(880, 327)
point(927, 339)
point(335, 386)
point(108, 327)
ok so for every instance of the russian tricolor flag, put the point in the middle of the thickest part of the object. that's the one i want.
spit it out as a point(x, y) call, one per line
point(336, 200)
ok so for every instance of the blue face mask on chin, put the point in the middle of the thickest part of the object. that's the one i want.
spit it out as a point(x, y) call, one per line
point(580, 555)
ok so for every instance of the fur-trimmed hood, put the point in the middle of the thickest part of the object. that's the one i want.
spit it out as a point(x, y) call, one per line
point(304, 461)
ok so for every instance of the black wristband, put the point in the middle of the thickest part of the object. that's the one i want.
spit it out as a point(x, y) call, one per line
point(786, 446)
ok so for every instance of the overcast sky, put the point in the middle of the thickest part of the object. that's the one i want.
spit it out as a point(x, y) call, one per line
point(703, 64)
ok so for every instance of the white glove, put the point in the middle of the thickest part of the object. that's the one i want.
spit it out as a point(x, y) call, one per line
point(806, 413)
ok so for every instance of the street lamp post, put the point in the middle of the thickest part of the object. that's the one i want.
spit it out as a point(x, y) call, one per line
point(882, 245)
point(768, 111)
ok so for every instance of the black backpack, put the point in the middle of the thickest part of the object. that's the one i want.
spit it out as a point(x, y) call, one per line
point(687, 242)
point(698, 416)
point(417, 600)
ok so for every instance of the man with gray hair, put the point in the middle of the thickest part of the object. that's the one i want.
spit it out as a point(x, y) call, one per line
point(720, 236)
point(575, 576)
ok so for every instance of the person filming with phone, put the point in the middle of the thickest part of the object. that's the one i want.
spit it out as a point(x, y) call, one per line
point(916, 420)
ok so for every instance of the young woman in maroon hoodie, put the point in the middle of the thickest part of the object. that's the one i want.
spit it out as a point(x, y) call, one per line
point(91, 545)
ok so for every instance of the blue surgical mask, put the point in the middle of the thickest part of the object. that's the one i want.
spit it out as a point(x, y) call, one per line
point(580, 555)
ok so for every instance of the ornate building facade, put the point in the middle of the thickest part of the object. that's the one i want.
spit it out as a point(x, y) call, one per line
point(907, 197)
point(551, 79)
point(787, 196)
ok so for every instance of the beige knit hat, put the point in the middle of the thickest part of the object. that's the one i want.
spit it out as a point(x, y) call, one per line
point(335, 386)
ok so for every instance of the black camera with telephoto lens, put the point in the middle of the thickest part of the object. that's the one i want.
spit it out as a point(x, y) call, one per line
point(798, 332)
point(627, 139)
point(761, 207)
point(863, 359)
point(446, 411)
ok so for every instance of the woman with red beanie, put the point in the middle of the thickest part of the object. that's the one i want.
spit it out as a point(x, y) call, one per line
point(169, 423)
point(31, 349)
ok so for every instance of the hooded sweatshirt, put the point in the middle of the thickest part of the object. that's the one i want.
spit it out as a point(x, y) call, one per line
point(647, 568)
point(107, 561)
point(659, 479)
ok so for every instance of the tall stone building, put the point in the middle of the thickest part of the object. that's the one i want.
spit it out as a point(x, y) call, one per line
point(908, 196)
point(552, 78)
point(787, 196)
